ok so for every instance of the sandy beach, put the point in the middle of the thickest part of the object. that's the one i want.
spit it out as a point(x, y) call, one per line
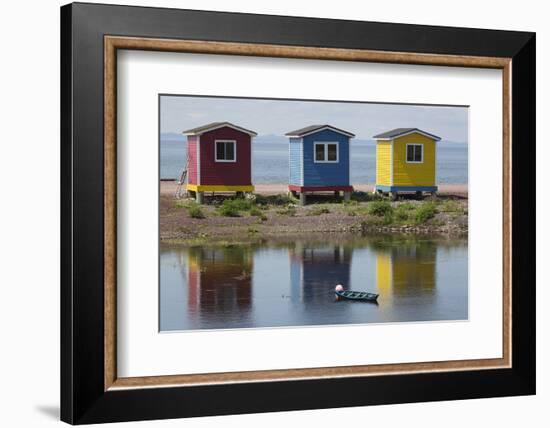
point(456, 190)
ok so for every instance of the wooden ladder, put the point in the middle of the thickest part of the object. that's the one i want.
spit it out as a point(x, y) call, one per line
point(181, 182)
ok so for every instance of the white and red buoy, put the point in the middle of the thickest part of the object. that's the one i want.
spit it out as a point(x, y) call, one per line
point(339, 287)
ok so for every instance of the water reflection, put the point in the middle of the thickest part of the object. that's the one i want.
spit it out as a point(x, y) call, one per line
point(291, 284)
point(406, 270)
point(219, 280)
point(314, 271)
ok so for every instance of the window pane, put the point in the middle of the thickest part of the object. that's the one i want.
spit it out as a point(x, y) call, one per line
point(418, 153)
point(410, 153)
point(230, 151)
point(220, 151)
point(319, 152)
point(332, 152)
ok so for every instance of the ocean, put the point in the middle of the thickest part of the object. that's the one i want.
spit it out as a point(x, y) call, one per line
point(270, 161)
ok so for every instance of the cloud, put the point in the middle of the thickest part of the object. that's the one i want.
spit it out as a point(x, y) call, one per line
point(267, 116)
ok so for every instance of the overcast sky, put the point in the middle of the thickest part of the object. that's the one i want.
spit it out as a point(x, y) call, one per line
point(277, 117)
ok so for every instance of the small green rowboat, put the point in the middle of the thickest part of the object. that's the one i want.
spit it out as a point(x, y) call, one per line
point(357, 295)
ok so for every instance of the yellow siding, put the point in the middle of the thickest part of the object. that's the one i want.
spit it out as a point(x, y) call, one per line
point(413, 174)
point(383, 163)
point(383, 273)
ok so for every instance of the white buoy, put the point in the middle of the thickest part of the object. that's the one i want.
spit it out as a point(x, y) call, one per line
point(339, 287)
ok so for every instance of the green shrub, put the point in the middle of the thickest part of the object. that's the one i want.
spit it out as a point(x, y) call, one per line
point(256, 212)
point(289, 210)
point(403, 211)
point(388, 218)
point(425, 212)
point(401, 215)
point(380, 208)
point(195, 211)
point(234, 207)
point(450, 206)
point(407, 206)
point(319, 211)
point(240, 204)
point(228, 211)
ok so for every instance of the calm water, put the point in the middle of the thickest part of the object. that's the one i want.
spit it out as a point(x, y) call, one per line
point(291, 284)
point(270, 162)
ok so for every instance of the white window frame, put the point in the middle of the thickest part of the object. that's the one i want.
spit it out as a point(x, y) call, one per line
point(216, 151)
point(325, 144)
point(421, 153)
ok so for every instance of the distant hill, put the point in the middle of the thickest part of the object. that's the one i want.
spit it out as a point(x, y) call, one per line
point(172, 136)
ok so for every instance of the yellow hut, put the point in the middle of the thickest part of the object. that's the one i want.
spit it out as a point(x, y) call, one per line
point(406, 161)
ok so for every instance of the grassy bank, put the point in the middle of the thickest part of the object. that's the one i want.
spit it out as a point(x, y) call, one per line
point(261, 217)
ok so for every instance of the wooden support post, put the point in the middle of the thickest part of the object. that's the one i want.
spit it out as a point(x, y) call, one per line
point(302, 198)
point(200, 197)
point(418, 194)
point(337, 193)
point(347, 196)
point(393, 196)
point(239, 194)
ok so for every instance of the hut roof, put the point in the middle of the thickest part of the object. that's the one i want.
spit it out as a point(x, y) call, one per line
point(216, 125)
point(399, 132)
point(316, 128)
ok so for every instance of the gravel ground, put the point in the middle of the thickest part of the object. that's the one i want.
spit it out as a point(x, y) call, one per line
point(323, 215)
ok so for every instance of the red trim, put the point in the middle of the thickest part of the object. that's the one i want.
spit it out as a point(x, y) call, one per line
point(295, 188)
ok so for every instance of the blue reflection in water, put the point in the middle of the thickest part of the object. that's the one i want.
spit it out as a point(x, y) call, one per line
point(292, 284)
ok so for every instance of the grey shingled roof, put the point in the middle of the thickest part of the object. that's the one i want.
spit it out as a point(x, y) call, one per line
point(215, 125)
point(402, 131)
point(312, 128)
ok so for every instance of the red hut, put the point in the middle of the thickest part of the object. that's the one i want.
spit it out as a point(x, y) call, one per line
point(219, 159)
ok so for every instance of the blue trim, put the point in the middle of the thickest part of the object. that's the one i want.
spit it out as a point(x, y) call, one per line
point(406, 188)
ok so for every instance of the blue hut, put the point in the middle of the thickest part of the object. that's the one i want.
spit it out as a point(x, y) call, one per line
point(319, 161)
